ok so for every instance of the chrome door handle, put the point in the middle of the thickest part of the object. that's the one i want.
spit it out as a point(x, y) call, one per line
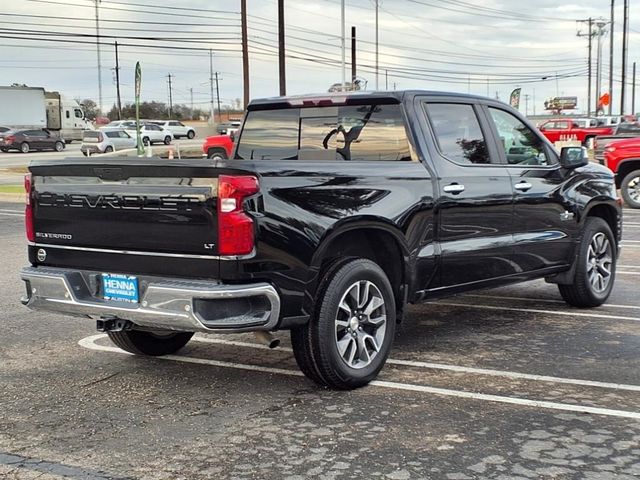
point(523, 186)
point(454, 188)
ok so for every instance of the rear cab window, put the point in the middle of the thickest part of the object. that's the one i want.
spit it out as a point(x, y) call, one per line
point(370, 132)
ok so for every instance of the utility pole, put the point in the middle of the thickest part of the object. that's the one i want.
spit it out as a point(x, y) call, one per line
point(625, 46)
point(118, 84)
point(633, 91)
point(589, 37)
point(526, 104)
point(343, 45)
point(170, 97)
point(212, 119)
point(218, 98)
point(245, 53)
point(353, 56)
point(281, 57)
point(613, 4)
point(191, 94)
point(600, 24)
point(386, 79)
point(98, 52)
point(377, 8)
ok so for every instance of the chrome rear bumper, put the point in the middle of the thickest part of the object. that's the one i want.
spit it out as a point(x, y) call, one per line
point(172, 304)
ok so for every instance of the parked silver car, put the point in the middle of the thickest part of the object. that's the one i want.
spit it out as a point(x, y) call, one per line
point(106, 140)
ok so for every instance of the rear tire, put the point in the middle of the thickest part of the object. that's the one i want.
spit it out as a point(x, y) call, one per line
point(24, 147)
point(191, 135)
point(630, 189)
point(596, 266)
point(349, 336)
point(109, 149)
point(146, 141)
point(167, 140)
point(141, 342)
point(3, 149)
point(58, 147)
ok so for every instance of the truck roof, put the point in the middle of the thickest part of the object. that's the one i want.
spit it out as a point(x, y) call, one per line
point(338, 98)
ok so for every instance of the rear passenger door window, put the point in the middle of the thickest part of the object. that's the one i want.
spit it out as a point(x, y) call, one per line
point(519, 143)
point(458, 134)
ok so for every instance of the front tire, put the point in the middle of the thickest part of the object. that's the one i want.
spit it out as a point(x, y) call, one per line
point(191, 135)
point(154, 344)
point(349, 336)
point(216, 154)
point(146, 141)
point(24, 147)
point(167, 140)
point(596, 266)
point(58, 147)
point(630, 189)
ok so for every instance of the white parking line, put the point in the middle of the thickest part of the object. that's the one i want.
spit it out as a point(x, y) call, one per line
point(5, 210)
point(12, 214)
point(545, 300)
point(448, 367)
point(627, 273)
point(89, 342)
point(535, 310)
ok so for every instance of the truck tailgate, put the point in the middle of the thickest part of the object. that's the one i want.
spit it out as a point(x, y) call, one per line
point(138, 215)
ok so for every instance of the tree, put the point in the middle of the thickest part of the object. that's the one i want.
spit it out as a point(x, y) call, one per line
point(90, 107)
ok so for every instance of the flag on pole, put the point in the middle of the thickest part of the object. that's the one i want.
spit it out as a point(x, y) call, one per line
point(137, 90)
point(514, 99)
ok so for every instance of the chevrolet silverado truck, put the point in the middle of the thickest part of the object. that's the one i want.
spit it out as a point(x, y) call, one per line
point(563, 129)
point(333, 213)
point(623, 158)
point(622, 131)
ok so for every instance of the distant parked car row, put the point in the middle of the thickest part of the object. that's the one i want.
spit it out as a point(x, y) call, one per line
point(176, 128)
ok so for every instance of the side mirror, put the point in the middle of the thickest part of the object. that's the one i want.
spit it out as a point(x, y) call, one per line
point(574, 157)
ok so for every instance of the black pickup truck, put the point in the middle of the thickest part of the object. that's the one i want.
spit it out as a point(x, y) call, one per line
point(334, 213)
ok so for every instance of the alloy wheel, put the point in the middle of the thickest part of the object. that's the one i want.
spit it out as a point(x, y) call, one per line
point(633, 189)
point(360, 324)
point(599, 262)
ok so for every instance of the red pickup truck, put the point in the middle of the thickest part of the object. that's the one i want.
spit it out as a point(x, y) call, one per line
point(561, 129)
point(218, 147)
point(623, 157)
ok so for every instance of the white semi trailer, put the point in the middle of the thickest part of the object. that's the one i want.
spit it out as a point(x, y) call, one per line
point(33, 107)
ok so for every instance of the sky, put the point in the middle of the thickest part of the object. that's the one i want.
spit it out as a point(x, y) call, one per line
point(485, 47)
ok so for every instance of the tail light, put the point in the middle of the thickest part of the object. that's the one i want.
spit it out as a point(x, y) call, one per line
point(100, 138)
point(235, 228)
point(10, 139)
point(28, 212)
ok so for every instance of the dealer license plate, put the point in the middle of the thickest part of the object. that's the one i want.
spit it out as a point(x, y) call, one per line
point(122, 288)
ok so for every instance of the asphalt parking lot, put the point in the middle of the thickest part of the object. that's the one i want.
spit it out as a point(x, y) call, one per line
point(503, 384)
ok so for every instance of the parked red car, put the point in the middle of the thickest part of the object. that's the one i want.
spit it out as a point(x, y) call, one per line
point(623, 157)
point(218, 147)
point(561, 129)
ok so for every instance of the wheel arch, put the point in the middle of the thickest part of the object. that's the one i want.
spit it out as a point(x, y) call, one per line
point(609, 212)
point(625, 167)
point(374, 238)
